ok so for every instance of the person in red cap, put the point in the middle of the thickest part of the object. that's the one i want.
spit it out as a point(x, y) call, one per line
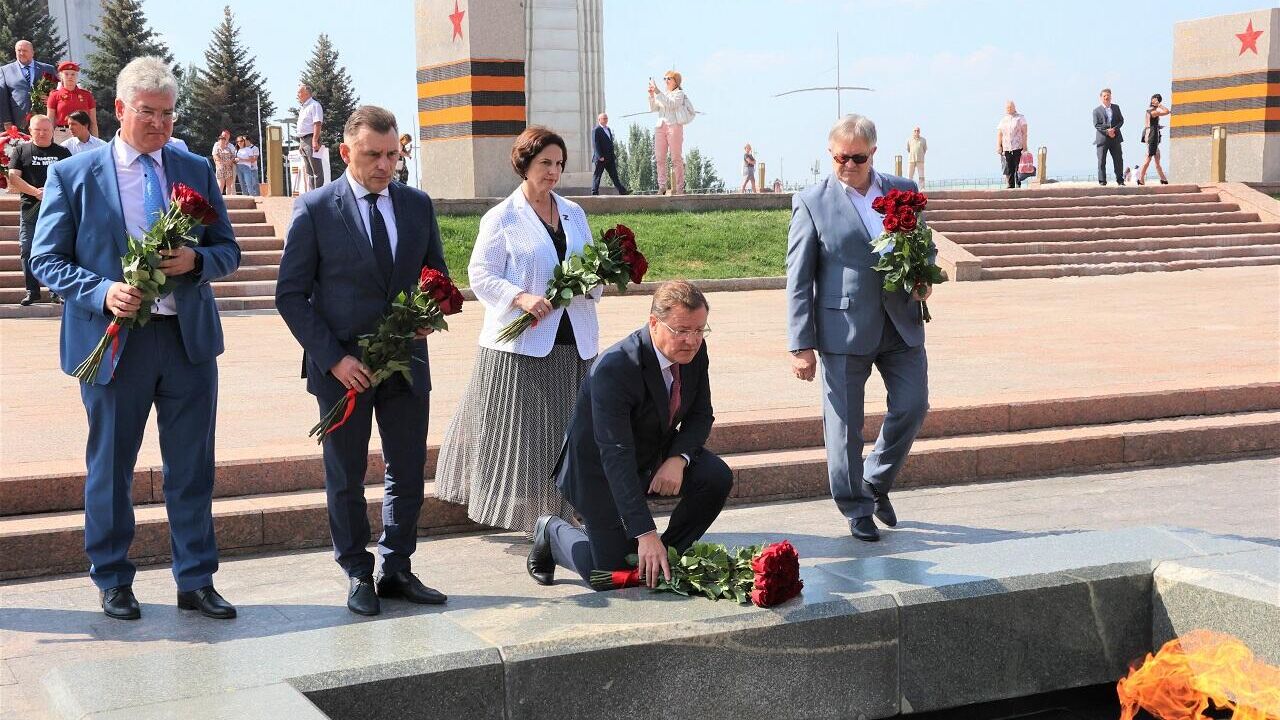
point(69, 98)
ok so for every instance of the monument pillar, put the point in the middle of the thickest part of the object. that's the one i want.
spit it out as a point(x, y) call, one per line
point(1226, 72)
point(486, 70)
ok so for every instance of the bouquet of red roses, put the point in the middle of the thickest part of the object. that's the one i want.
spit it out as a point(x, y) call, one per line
point(40, 90)
point(612, 260)
point(906, 244)
point(9, 140)
point(765, 576)
point(175, 228)
point(389, 349)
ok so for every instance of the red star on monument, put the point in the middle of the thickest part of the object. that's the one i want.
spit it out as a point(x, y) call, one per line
point(1249, 39)
point(456, 17)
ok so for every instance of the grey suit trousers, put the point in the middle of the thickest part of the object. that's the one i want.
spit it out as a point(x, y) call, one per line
point(905, 371)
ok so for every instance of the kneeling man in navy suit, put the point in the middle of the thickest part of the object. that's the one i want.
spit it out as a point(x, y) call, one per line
point(642, 418)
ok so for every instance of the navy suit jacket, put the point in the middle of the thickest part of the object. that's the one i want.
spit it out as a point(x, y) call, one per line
point(81, 237)
point(1100, 124)
point(330, 291)
point(836, 302)
point(619, 433)
point(16, 102)
point(601, 146)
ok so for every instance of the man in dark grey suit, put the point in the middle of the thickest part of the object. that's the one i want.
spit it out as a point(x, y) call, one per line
point(16, 82)
point(642, 418)
point(1107, 120)
point(352, 246)
point(837, 306)
point(603, 156)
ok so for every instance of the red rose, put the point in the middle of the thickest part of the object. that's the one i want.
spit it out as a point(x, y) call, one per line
point(918, 200)
point(890, 223)
point(437, 286)
point(907, 220)
point(637, 265)
point(193, 204)
point(453, 304)
point(777, 575)
point(878, 204)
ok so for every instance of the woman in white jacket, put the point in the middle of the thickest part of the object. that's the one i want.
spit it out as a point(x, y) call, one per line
point(500, 448)
point(674, 112)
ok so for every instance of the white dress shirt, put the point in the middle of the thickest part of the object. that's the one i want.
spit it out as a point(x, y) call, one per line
point(384, 204)
point(75, 146)
point(130, 175)
point(308, 115)
point(871, 220)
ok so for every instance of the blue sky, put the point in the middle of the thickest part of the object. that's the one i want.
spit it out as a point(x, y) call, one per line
point(945, 65)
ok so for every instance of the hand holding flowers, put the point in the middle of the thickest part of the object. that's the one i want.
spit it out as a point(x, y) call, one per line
point(906, 247)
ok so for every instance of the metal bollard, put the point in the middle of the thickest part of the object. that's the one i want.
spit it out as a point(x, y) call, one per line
point(274, 160)
point(897, 165)
point(1042, 157)
point(1218, 154)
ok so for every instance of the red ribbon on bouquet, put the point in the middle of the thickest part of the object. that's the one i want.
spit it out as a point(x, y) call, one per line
point(350, 401)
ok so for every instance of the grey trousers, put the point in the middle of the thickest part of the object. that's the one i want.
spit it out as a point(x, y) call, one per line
point(905, 371)
point(312, 173)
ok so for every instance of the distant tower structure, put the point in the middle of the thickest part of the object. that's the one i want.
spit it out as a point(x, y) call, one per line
point(76, 19)
point(487, 70)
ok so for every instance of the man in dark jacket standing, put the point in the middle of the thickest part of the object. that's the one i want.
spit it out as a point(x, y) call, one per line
point(1107, 120)
point(603, 157)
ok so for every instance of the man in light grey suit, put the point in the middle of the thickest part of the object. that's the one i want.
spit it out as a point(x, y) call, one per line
point(838, 307)
point(16, 82)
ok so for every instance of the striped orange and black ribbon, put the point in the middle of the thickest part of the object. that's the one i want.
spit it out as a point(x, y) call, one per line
point(1242, 103)
point(471, 98)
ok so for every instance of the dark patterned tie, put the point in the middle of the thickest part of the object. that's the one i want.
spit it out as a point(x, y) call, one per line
point(674, 405)
point(381, 240)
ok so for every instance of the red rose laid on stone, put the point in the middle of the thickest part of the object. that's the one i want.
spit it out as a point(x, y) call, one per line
point(777, 575)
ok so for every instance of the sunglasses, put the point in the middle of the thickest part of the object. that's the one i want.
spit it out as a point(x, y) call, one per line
point(859, 159)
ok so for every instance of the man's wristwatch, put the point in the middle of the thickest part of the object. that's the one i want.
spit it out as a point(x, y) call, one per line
point(198, 269)
point(796, 353)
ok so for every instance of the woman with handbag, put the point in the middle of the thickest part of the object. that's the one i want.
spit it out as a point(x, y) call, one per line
point(674, 112)
point(1151, 138)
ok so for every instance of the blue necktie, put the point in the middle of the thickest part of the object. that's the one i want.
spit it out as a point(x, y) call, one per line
point(26, 73)
point(152, 193)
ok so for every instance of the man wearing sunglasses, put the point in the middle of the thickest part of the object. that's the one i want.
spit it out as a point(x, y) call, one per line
point(837, 307)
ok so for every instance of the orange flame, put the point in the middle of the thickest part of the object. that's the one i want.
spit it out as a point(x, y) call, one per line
point(1200, 671)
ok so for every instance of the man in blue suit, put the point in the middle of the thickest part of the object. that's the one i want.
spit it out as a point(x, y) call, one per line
point(603, 156)
point(641, 420)
point(351, 247)
point(837, 306)
point(16, 82)
point(93, 202)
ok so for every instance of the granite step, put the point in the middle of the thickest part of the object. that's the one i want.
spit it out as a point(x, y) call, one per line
point(1091, 246)
point(965, 239)
point(42, 544)
point(1104, 202)
point(1082, 194)
point(1166, 255)
point(1120, 268)
point(1099, 214)
point(1118, 221)
point(754, 431)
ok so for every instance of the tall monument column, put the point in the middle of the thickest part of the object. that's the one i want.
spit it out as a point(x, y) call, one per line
point(486, 70)
point(1226, 72)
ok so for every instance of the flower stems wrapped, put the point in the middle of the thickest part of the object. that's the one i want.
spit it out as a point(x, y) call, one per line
point(388, 350)
point(611, 260)
point(764, 576)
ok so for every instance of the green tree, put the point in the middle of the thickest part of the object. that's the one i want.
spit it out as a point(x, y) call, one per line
point(30, 20)
point(700, 174)
point(122, 36)
point(331, 86)
point(226, 92)
point(186, 90)
point(638, 171)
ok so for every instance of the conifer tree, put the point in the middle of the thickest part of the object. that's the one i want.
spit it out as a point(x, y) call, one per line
point(30, 20)
point(122, 36)
point(331, 86)
point(226, 91)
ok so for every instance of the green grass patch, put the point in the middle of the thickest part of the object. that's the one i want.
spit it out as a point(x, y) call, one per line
point(695, 245)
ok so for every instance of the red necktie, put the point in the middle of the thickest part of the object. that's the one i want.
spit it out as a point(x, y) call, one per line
point(674, 406)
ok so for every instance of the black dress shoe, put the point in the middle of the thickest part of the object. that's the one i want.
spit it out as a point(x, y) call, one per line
point(207, 601)
point(864, 528)
point(29, 299)
point(405, 584)
point(119, 603)
point(540, 564)
point(884, 509)
point(363, 599)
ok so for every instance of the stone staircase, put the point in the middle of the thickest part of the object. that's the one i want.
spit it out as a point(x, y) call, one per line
point(278, 503)
point(252, 287)
point(1058, 232)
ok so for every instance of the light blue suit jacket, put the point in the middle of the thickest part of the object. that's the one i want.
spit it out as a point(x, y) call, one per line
point(835, 302)
point(81, 237)
point(16, 91)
